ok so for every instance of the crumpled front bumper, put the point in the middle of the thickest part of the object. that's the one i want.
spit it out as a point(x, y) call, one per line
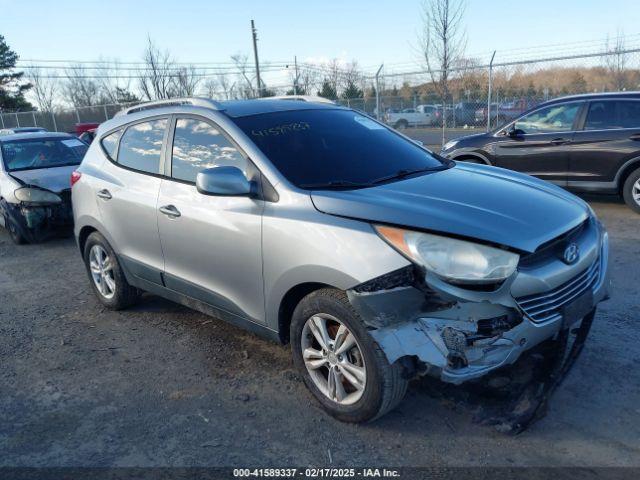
point(458, 334)
point(38, 222)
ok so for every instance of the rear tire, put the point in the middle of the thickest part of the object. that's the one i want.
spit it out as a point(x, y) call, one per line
point(631, 191)
point(105, 274)
point(401, 125)
point(382, 384)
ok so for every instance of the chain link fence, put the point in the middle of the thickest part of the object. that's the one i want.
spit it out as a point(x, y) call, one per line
point(486, 96)
point(477, 96)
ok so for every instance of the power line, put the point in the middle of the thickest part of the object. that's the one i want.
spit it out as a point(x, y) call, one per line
point(106, 61)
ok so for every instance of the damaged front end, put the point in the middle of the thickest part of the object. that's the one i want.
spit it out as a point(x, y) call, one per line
point(38, 214)
point(459, 333)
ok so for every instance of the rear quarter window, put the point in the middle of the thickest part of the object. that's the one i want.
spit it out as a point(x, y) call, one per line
point(110, 143)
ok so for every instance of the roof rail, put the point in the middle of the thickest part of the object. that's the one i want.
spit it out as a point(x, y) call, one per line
point(172, 102)
point(300, 98)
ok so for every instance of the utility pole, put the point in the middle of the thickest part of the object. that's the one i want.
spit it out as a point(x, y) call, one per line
point(254, 33)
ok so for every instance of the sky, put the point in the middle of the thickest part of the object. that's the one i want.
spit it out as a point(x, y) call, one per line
point(369, 31)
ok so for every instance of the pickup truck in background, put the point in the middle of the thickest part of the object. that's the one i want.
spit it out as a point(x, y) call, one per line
point(422, 115)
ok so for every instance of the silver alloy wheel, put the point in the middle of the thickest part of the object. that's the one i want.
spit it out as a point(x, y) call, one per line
point(333, 359)
point(102, 271)
point(635, 192)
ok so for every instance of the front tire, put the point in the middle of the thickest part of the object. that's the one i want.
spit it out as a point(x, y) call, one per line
point(105, 274)
point(14, 232)
point(341, 364)
point(631, 191)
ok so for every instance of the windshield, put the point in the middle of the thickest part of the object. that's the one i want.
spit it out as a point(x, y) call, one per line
point(339, 147)
point(31, 154)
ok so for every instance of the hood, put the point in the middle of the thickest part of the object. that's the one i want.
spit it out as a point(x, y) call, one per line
point(475, 201)
point(54, 179)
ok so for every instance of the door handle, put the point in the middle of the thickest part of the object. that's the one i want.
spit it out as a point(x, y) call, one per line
point(635, 136)
point(104, 194)
point(170, 211)
point(559, 141)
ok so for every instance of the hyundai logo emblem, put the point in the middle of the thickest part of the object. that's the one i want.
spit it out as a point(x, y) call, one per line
point(571, 254)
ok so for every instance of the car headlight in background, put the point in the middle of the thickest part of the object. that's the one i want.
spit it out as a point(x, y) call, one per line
point(454, 260)
point(449, 145)
point(36, 196)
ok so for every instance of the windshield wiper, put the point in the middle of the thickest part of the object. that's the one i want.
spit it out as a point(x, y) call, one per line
point(405, 173)
point(334, 184)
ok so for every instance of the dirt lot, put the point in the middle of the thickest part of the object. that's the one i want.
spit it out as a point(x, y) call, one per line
point(162, 385)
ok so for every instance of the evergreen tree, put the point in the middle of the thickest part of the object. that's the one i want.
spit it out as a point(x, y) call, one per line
point(328, 91)
point(12, 88)
point(352, 91)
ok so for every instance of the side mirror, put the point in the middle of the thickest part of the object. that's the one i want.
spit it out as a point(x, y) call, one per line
point(515, 132)
point(224, 181)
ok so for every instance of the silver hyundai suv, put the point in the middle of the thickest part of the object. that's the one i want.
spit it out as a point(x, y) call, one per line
point(318, 226)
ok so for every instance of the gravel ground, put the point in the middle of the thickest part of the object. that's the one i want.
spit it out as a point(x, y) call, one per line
point(161, 385)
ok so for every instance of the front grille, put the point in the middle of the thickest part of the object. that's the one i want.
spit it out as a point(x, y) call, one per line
point(555, 247)
point(542, 307)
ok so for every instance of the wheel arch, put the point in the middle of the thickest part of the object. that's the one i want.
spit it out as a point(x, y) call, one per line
point(289, 302)
point(83, 234)
point(462, 156)
point(627, 169)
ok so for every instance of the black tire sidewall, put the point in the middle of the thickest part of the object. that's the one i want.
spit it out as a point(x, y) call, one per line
point(370, 403)
point(14, 232)
point(627, 190)
point(121, 298)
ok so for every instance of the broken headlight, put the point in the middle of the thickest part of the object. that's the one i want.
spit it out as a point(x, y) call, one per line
point(36, 196)
point(454, 260)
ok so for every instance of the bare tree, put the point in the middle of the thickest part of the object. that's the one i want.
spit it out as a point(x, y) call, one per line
point(114, 81)
point(219, 86)
point(227, 87)
point(308, 80)
point(211, 88)
point(80, 89)
point(616, 60)
point(241, 62)
point(333, 74)
point(45, 90)
point(186, 81)
point(443, 40)
point(157, 78)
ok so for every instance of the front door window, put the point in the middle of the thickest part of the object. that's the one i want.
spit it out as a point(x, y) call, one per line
point(555, 118)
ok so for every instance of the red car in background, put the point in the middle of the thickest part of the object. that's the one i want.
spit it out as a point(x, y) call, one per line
point(86, 131)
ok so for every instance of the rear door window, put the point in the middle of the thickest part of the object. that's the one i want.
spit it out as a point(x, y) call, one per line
point(609, 114)
point(629, 114)
point(141, 146)
point(198, 145)
point(601, 116)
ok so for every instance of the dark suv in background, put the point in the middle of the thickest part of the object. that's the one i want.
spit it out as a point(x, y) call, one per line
point(588, 143)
